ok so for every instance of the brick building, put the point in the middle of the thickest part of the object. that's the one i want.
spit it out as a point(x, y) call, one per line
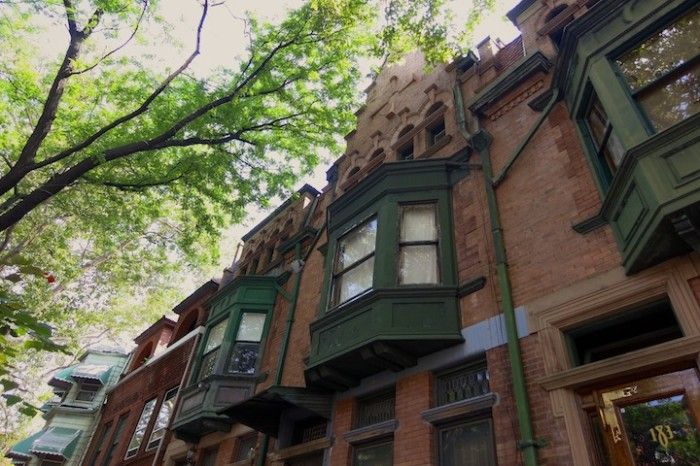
point(503, 268)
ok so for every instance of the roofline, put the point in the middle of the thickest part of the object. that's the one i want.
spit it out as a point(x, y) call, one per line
point(196, 295)
point(306, 189)
point(163, 321)
point(518, 9)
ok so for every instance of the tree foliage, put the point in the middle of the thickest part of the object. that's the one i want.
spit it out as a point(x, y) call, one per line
point(116, 176)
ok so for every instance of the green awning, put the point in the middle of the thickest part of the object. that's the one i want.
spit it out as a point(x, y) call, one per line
point(56, 442)
point(91, 373)
point(20, 450)
point(61, 378)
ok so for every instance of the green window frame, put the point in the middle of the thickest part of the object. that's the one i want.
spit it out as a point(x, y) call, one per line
point(662, 68)
point(245, 353)
point(211, 349)
point(418, 244)
point(353, 265)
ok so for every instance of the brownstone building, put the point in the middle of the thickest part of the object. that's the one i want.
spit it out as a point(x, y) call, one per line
point(503, 269)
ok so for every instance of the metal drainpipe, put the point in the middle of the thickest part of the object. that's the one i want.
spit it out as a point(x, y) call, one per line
point(480, 141)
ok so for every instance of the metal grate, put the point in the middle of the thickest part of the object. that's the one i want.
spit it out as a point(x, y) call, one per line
point(375, 409)
point(462, 384)
point(208, 364)
point(244, 358)
point(246, 447)
point(314, 431)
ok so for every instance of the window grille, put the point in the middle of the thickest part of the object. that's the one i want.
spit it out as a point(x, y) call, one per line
point(462, 384)
point(376, 409)
point(314, 431)
point(246, 447)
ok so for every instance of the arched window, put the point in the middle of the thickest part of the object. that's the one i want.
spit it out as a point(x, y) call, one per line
point(436, 130)
point(142, 356)
point(434, 108)
point(353, 171)
point(377, 153)
point(187, 323)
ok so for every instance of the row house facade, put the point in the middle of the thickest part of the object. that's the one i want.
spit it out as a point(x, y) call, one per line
point(73, 411)
point(503, 269)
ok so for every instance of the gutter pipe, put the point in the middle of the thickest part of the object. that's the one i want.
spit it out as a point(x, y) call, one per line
point(480, 141)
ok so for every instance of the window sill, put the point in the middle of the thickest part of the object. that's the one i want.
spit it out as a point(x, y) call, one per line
point(460, 409)
point(302, 449)
point(373, 432)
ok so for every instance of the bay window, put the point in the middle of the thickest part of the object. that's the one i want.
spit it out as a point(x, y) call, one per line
point(244, 356)
point(663, 72)
point(354, 263)
point(418, 245)
point(607, 147)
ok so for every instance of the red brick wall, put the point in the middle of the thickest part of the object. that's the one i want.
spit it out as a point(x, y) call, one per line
point(414, 439)
point(130, 395)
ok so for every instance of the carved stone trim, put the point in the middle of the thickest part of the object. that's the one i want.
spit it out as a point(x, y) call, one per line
point(375, 431)
point(460, 409)
point(653, 357)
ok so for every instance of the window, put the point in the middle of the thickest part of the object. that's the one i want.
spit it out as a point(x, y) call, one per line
point(375, 409)
point(418, 245)
point(211, 349)
point(245, 449)
point(405, 152)
point(166, 408)
point(467, 444)
point(100, 443)
point(87, 392)
point(663, 72)
point(462, 384)
point(607, 147)
point(140, 430)
point(314, 459)
point(374, 454)
point(628, 331)
point(209, 457)
point(310, 429)
point(121, 424)
point(244, 356)
point(353, 271)
point(436, 132)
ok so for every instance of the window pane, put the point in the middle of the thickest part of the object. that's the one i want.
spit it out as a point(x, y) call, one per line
point(208, 364)
point(418, 223)
point(662, 52)
point(140, 431)
point(244, 358)
point(674, 100)
point(357, 244)
point(374, 455)
point(418, 264)
point(251, 326)
point(355, 281)
point(216, 336)
point(246, 447)
point(162, 420)
point(467, 444)
point(597, 121)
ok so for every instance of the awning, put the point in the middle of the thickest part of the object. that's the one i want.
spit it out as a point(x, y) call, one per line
point(20, 450)
point(263, 411)
point(61, 379)
point(56, 442)
point(92, 373)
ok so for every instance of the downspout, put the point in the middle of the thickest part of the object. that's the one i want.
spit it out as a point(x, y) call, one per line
point(481, 141)
point(291, 311)
point(156, 458)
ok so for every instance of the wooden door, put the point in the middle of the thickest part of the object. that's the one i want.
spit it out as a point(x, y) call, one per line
point(653, 421)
